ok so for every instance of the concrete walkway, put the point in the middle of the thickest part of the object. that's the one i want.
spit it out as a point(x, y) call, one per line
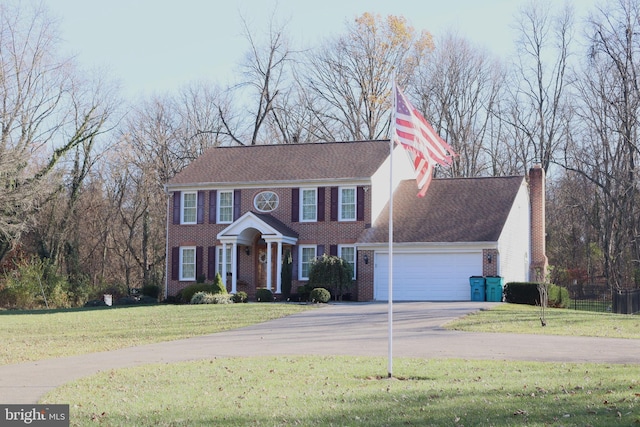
point(336, 329)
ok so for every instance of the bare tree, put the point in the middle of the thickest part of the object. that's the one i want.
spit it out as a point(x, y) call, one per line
point(350, 77)
point(44, 117)
point(458, 89)
point(604, 146)
point(200, 109)
point(538, 112)
point(264, 76)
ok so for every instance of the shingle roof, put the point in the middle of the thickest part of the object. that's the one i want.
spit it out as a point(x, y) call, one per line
point(277, 224)
point(293, 162)
point(453, 210)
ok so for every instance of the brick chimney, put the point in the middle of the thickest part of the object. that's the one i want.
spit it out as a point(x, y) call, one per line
point(539, 262)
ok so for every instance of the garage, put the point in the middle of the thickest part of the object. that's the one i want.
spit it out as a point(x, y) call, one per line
point(427, 276)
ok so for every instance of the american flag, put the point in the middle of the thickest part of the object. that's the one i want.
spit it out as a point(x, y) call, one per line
point(424, 145)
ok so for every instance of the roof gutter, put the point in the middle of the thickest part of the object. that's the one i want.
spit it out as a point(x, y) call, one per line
point(383, 247)
point(267, 184)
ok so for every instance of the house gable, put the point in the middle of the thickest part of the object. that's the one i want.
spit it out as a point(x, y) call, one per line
point(244, 229)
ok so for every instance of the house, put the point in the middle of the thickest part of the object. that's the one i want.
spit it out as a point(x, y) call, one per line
point(241, 211)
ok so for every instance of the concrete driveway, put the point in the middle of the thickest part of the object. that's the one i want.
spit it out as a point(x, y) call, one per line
point(336, 329)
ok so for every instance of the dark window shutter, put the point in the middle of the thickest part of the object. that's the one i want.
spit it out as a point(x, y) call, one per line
point(211, 262)
point(321, 203)
point(360, 204)
point(320, 250)
point(334, 203)
point(295, 204)
point(333, 250)
point(199, 256)
point(213, 198)
point(175, 263)
point(176, 207)
point(236, 204)
point(200, 211)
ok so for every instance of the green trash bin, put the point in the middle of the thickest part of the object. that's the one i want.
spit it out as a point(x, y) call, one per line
point(477, 284)
point(494, 288)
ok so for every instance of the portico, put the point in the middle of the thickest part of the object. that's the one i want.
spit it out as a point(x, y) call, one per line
point(263, 238)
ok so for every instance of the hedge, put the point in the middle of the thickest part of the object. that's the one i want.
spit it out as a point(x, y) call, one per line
point(527, 293)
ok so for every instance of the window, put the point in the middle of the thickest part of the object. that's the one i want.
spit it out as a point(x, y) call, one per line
point(188, 263)
point(348, 253)
point(307, 255)
point(189, 207)
point(266, 201)
point(347, 204)
point(225, 206)
point(219, 257)
point(308, 204)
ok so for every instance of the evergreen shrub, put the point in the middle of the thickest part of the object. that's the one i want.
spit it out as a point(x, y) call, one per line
point(240, 297)
point(320, 295)
point(264, 295)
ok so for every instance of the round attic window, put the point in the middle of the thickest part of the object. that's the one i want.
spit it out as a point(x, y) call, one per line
point(266, 201)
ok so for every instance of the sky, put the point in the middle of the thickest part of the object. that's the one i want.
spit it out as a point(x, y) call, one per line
point(158, 46)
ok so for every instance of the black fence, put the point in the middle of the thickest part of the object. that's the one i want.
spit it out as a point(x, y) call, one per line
point(624, 301)
point(602, 304)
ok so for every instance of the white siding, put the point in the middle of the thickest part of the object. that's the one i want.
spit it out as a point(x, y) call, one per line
point(402, 169)
point(515, 239)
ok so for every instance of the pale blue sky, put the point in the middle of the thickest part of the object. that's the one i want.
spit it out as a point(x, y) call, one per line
point(156, 46)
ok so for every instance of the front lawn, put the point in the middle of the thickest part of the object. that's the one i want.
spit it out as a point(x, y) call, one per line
point(350, 391)
point(525, 319)
point(34, 335)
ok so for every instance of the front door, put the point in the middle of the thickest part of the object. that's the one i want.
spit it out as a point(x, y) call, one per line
point(260, 261)
point(261, 266)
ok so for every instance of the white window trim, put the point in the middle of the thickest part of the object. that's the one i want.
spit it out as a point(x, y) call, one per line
point(276, 202)
point(355, 257)
point(182, 221)
point(195, 262)
point(355, 204)
point(219, 207)
point(315, 204)
point(300, 250)
point(219, 259)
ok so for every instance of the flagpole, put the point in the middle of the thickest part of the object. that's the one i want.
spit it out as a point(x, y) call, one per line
point(425, 148)
point(390, 298)
point(390, 280)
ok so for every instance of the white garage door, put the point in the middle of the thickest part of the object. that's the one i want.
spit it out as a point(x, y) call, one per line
point(427, 276)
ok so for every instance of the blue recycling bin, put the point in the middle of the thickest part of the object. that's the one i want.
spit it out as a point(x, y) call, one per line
point(477, 284)
point(494, 288)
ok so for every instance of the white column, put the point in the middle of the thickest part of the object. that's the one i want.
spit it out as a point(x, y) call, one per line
point(279, 269)
point(269, 266)
point(234, 268)
point(223, 261)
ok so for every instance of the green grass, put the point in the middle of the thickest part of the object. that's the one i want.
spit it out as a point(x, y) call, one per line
point(525, 319)
point(36, 335)
point(350, 391)
point(326, 391)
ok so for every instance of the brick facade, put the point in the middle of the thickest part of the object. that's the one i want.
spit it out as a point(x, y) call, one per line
point(489, 262)
point(326, 233)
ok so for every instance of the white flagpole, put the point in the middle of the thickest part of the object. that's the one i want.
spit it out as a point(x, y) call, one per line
point(390, 280)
